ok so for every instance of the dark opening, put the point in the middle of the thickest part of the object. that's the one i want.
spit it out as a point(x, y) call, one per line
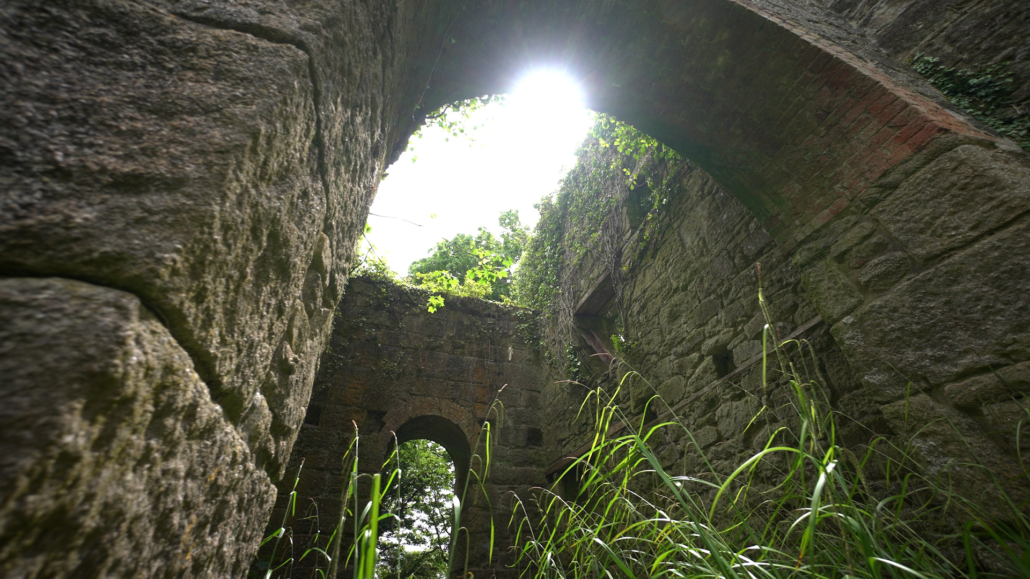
point(723, 364)
point(534, 437)
point(314, 415)
point(651, 412)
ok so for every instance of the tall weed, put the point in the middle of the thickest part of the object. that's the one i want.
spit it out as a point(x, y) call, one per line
point(364, 513)
point(802, 506)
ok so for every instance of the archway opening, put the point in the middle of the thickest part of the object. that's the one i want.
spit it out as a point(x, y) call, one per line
point(429, 469)
point(416, 541)
point(461, 171)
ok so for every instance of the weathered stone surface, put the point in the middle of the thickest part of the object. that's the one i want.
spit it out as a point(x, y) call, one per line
point(672, 390)
point(831, 291)
point(885, 271)
point(967, 313)
point(965, 35)
point(734, 417)
point(114, 460)
point(705, 374)
point(746, 350)
point(995, 386)
point(1009, 421)
point(953, 450)
point(175, 161)
point(216, 160)
point(852, 237)
point(961, 196)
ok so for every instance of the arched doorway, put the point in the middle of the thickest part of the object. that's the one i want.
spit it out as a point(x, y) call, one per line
point(447, 434)
point(420, 441)
point(229, 168)
point(416, 540)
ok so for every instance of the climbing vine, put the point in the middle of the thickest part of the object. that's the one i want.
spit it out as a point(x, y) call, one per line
point(455, 119)
point(608, 203)
point(985, 93)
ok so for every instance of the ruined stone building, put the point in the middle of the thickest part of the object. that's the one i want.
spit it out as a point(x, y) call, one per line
point(182, 183)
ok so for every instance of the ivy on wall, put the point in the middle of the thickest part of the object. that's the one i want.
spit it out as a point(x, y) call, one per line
point(985, 93)
point(618, 187)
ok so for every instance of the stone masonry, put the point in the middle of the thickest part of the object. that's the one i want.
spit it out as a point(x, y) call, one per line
point(182, 183)
point(390, 368)
point(689, 310)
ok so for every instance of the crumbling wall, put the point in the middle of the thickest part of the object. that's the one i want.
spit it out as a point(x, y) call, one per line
point(390, 362)
point(206, 166)
point(690, 324)
point(682, 291)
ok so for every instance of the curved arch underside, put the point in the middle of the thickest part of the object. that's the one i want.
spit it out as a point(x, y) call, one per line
point(758, 94)
point(184, 181)
point(443, 431)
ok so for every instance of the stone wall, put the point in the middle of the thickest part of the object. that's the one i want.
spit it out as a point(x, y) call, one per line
point(186, 180)
point(964, 33)
point(183, 182)
point(686, 304)
point(691, 326)
point(392, 367)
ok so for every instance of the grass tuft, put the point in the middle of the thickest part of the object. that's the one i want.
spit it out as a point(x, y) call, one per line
point(802, 506)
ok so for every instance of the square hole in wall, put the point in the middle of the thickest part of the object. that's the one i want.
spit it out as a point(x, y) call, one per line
point(314, 415)
point(723, 363)
point(534, 437)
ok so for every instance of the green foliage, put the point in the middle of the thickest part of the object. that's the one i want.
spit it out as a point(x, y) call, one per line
point(539, 277)
point(478, 266)
point(324, 551)
point(454, 119)
point(622, 178)
point(630, 142)
point(421, 502)
point(434, 303)
point(426, 564)
point(802, 506)
point(986, 94)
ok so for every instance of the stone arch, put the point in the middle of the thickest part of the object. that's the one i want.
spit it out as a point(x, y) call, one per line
point(441, 421)
point(793, 117)
point(208, 195)
point(860, 172)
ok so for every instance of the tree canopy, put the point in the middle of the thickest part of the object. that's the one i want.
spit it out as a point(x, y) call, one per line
point(416, 542)
point(479, 265)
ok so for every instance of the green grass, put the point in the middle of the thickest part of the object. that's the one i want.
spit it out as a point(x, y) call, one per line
point(802, 506)
point(362, 510)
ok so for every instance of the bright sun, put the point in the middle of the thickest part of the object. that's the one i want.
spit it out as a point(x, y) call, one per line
point(522, 149)
point(546, 105)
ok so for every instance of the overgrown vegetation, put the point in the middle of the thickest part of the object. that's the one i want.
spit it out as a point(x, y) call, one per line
point(415, 542)
point(985, 93)
point(802, 506)
point(404, 511)
point(479, 266)
point(620, 185)
point(584, 216)
point(455, 119)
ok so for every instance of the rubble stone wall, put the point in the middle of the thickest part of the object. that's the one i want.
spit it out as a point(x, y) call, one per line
point(182, 183)
point(391, 367)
